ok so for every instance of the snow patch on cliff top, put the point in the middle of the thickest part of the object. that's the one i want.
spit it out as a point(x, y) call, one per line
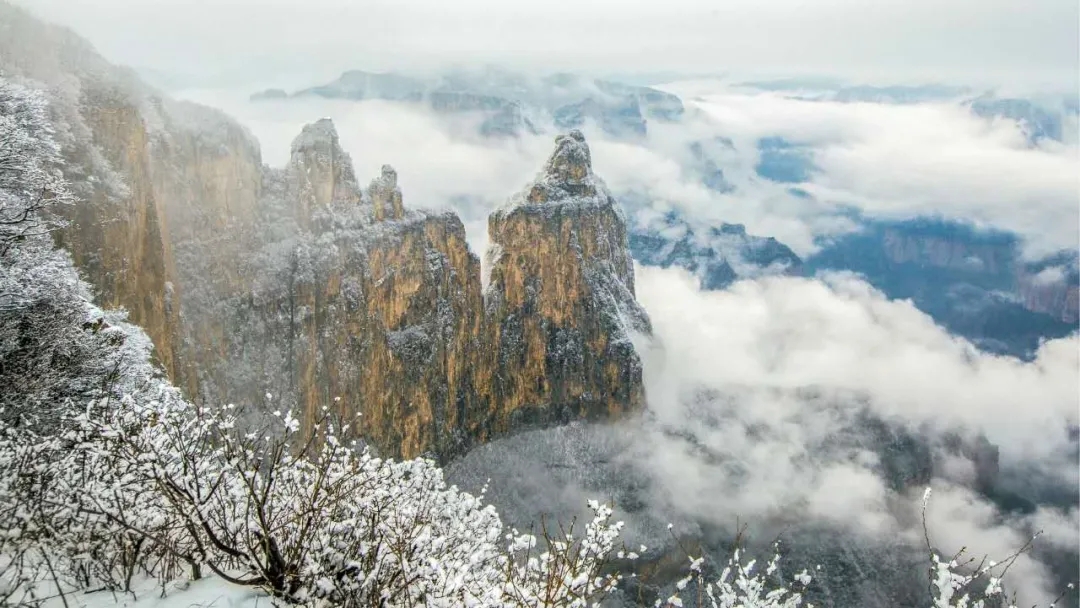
point(567, 178)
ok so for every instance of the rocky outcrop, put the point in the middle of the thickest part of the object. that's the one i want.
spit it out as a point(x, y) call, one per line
point(376, 310)
point(355, 305)
point(319, 172)
point(386, 196)
point(376, 321)
point(560, 301)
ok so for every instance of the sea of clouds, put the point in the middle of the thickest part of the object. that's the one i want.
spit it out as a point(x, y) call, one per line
point(756, 393)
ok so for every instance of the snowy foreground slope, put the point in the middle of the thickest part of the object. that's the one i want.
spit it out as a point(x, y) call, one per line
point(211, 592)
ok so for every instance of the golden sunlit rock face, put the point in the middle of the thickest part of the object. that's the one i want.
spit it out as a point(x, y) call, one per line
point(180, 216)
point(168, 192)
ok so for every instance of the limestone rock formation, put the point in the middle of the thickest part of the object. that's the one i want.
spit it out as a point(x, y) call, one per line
point(118, 236)
point(356, 305)
point(380, 320)
point(379, 312)
point(297, 288)
point(386, 196)
point(319, 171)
point(560, 303)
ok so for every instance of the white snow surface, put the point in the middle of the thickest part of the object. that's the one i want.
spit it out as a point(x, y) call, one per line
point(209, 592)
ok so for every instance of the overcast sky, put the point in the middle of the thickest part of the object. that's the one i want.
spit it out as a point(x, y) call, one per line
point(998, 41)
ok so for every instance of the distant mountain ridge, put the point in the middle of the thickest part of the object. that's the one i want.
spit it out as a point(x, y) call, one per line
point(718, 256)
point(515, 104)
point(1047, 117)
point(976, 283)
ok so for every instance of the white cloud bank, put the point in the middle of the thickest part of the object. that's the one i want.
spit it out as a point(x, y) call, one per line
point(842, 336)
point(933, 158)
point(764, 347)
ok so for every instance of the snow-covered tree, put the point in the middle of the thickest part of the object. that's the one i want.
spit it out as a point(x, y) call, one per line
point(56, 350)
point(30, 179)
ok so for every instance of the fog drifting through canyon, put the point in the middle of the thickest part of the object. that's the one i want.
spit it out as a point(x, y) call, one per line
point(766, 375)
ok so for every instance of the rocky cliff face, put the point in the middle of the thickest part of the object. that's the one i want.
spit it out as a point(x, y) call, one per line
point(1056, 298)
point(1052, 286)
point(973, 282)
point(168, 190)
point(207, 176)
point(117, 238)
point(319, 172)
point(947, 252)
point(560, 302)
point(377, 310)
point(1047, 286)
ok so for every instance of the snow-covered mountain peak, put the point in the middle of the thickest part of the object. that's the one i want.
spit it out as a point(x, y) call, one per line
point(567, 175)
point(316, 135)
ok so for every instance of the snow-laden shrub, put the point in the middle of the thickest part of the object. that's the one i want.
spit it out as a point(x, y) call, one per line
point(30, 179)
point(741, 585)
point(959, 581)
point(55, 350)
point(151, 485)
point(964, 581)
